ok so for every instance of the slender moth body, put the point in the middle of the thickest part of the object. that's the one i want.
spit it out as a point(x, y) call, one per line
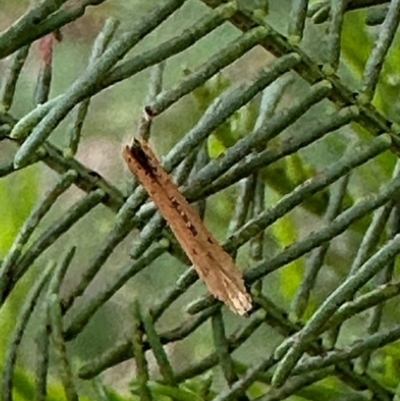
point(213, 265)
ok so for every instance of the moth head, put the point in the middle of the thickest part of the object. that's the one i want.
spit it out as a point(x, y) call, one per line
point(135, 143)
point(137, 153)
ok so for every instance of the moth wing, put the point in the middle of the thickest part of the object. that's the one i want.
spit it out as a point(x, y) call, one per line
point(224, 280)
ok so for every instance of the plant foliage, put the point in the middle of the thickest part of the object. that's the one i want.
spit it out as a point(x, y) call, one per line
point(281, 127)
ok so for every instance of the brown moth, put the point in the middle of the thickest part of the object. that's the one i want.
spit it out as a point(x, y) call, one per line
point(213, 265)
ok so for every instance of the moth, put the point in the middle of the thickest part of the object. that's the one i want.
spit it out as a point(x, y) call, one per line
point(213, 265)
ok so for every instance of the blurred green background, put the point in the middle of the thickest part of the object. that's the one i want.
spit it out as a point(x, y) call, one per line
point(110, 125)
